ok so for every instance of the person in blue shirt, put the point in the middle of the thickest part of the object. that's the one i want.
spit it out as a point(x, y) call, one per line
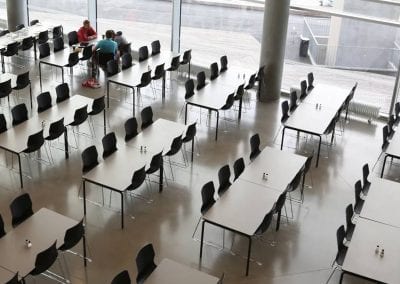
point(107, 45)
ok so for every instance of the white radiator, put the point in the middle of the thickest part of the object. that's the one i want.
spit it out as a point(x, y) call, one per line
point(364, 109)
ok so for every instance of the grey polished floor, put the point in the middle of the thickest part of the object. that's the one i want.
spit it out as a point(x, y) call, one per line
point(301, 252)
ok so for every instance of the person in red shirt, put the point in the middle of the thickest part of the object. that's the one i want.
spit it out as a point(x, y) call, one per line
point(86, 32)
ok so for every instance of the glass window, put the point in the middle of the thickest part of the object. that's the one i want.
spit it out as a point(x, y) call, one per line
point(3, 14)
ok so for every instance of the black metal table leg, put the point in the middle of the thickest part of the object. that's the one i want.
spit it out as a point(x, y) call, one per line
point(84, 247)
point(161, 183)
point(84, 197)
point(66, 143)
point(20, 171)
point(122, 210)
point(248, 257)
point(30, 94)
point(133, 100)
point(193, 148)
point(105, 122)
point(40, 76)
point(62, 74)
point(186, 106)
point(240, 108)
point(383, 166)
point(163, 87)
point(283, 136)
point(202, 239)
point(216, 130)
point(319, 150)
point(108, 94)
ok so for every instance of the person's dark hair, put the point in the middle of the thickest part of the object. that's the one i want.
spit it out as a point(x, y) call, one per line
point(86, 22)
point(119, 33)
point(109, 33)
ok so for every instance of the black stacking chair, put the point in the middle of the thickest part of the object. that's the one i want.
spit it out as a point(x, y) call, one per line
point(145, 263)
point(280, 204)
point(44, 50)
point(87, 53)
point(238, 168)
point(11, 49)
point(35, 142)
point(131, 126)
point(2, 231)
point(366, 182)
point(89, 159)
point(57, 32)
point(43, 37)
point(385, 132)
point(310, 80)
point(214, 71)
point(112, 68)
point(122, 278)
point(201, 80)
point(145, 80)
point(15, 280)
point(73, 59)
point(158, 72)
point(23, 81)
point(58, 44)
point(224, 63)
point(5, 90)
point(350, 226)
point(62, 92)
point(175, 62)
point(109, 144)
point(265, 224)
point(33, 22)
point(27, 43)
point(72, 237)
point(208, 200)
point(285, 111)
point(80, 116)
point(176, 146)
point(359, 203)
point(155, 47)
point(56, 129)
point(45, 260)
point(73, 38)
point(19, 114)
point(126, 61)
point(189, 136)
point(43, 101)
point(147, 117)
point(103, 58)
point(397, 113)
point(255, 146)
point(143, 53)
point(189, 88)
point(21, 209)
point(303, 89)
point(155, 164)
point(186, 59)
point(251, 83)
point(3, 123)
point(19, 27)
point(391, 126)
point(138, 177)
point(341, 253)
point(125, 48)
point(293, 101)
point(4, 32)
point(224, 175)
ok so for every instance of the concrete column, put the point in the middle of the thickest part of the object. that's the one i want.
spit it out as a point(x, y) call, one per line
point(176, 25)
point(92, 14)
point(276, 18)
point(17, 13)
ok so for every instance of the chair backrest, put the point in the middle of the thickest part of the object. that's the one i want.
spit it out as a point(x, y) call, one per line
point(207, 196)
point(126, 61)
point(349, 216)
point(125, 48)
point(19, 114)
point(147, 117)
point(265, 223)
point(255, 146)
point(4, 32)
point(73, 236)
point(280, 202)
point(2, 231)
point(340, 235)
point(43, 37)
point(224, 175)
point(365, 171)
point(104, 57)
point(190, 133)
point(176, 146)
point(159, 72)
point(112, 67)
point(109, 144)
point(12, 49)
point(155, 47)
point(293, 100)
point(19, 27)
point(155, 163)
point(45, 259)
point(27, 43)
point(57, 32)
point(145, 80)
point(89, 158)
point(175, 62)
point(131, 126)
point(201, 80)
point(252, 82)
point(14, 280)
point(73, 38)
point(187, 57)
point(35, 142)
point(73, 59)
point(98, 105)
point(397, 111)
point(385, 132)
point(239, 92)
point(189, 88)
point(285, 111)
point(62, 92)
point(303, 89)
point(143, 53)
point(87, 52)
point(3, 123)
point(357, 192)
point(138, 177)
point(21, 209)
point(238, 167)
point(294, 184)
point(391, 124)
point(224, 63)
point(214, 71)
point(122, 278)
point(23, 80)
point(80, 116)
point(5, 88)
point(56, 129)
point(230, 100)
point(44, 50)
point(310, 80)
point(33, 22)
point(145, 263)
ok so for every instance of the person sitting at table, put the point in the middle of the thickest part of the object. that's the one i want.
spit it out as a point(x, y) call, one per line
point(123, 44)
point(86, 32)
point(107, 45)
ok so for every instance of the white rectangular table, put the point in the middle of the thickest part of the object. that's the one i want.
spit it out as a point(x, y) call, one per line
point(15, 138)
point(314, 121)
point(43, 228)
point(361, 259)
point(382, 203)
point(172, 272)
point(241, 209)
point(131, 77)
